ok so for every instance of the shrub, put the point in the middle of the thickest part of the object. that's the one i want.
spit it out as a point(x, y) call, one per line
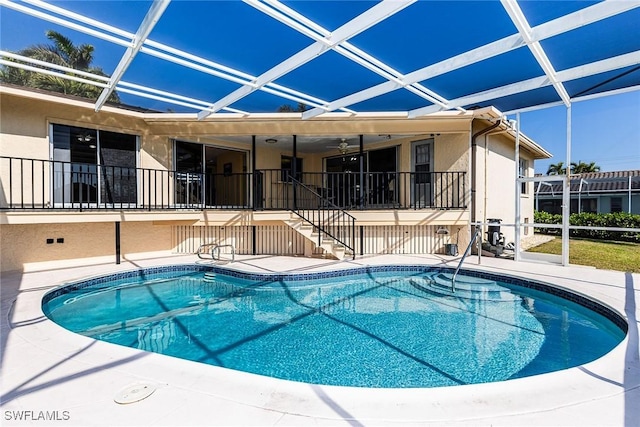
point(547, 218)
point(588, 219)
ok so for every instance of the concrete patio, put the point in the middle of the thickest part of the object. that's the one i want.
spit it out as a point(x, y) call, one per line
point(52, 376)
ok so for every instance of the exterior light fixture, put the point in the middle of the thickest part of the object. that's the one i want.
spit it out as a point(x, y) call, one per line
point(270, 140)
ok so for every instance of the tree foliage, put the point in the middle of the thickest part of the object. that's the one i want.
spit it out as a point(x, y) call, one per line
point(61, 52)
point(287, 108)
point(576, 167)
point(582, 167)
point(556, 169)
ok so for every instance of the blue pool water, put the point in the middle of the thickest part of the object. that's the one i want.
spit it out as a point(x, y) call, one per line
point(371, 327)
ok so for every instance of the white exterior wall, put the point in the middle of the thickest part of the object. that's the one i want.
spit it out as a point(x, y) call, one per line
point(496, 184)
point(89, 236)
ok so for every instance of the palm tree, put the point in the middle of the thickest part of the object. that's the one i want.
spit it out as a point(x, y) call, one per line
point(556, 169)
point(61, 52)
point(582, 167)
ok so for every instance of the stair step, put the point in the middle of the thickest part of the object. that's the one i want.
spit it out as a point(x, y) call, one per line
point(309, 231)
point(469, 287)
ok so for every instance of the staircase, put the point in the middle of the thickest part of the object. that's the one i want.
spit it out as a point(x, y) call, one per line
point(323, 223)
point(310, 232)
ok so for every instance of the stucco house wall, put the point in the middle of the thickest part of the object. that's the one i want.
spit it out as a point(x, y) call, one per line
point(89, 236)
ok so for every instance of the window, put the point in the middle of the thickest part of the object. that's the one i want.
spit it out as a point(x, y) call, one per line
point(211, 175)
point(616, 204)
point(286, 164)
point(587, 204)
point(523, 172)
point(552, 206)
point(93, 166)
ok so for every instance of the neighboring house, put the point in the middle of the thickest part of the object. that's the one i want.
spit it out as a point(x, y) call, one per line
point(597, 192)
point(83, 185)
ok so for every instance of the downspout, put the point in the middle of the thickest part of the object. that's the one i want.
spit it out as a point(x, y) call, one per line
point(363, 191)
point(474, 147)
point(294, 170)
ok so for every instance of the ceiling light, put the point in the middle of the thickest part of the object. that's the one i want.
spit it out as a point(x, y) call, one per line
point(270, 140)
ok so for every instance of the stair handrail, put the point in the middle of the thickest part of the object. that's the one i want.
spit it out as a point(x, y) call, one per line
point(200, 250)
point(215, 247)
point(466, 252)
point(326, 205)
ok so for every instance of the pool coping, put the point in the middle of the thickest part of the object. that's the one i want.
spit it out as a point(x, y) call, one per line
point(97, 370)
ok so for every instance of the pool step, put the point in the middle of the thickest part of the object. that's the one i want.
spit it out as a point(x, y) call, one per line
point(471, 288)
point(209, 276)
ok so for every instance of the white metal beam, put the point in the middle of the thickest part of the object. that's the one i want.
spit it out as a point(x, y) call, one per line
point(574, 100)
point(168, 97)
point(543, 31)
point(63, 22)
point(150, 20)
point(300, 23)
point(585, 16)
point(580, 18)
point(29, 60)
point(521, 23)
point(51, 73)
point(355, 26)
point(150, 47)
point(617, 62)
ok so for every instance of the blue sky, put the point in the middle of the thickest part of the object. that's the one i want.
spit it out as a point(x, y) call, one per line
point(605, 130)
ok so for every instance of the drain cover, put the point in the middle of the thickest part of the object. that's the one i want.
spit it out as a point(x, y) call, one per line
point(134, 393)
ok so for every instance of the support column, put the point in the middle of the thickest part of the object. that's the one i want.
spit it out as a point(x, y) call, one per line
point(117, 242)
point(363, 190)
point(516, 255)
point(566, 194)
point(255, 192)
point(629, 186)
point(294, 171)
point(253, 240)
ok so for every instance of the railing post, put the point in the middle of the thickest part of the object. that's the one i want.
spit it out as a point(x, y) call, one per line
point(117, 242)
point(21, 184)
point(479, 244)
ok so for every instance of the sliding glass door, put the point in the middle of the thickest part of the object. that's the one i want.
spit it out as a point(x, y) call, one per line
point(210, 176)
point(92, 167)
point(189, 173)
point(421, 183)
point(374, 185)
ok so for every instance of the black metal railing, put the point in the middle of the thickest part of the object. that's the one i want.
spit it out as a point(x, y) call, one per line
point(327, 219)
point(48, 184)
point(371, 190)
point(51, 184)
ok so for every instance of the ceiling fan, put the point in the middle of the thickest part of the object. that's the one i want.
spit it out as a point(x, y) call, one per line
point(343, 147)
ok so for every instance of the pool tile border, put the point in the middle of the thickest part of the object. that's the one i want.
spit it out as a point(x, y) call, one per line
point(588, 303)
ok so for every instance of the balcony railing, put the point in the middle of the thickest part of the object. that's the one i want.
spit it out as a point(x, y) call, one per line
point(45, 184)
point(371, 190)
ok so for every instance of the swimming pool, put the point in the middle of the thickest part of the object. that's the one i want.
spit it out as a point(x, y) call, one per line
point(388, 326)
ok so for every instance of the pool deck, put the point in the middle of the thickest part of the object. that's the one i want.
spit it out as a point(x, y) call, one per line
point(49, 372)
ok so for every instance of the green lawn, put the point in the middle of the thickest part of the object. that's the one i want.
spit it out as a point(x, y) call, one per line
point(607, 255)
